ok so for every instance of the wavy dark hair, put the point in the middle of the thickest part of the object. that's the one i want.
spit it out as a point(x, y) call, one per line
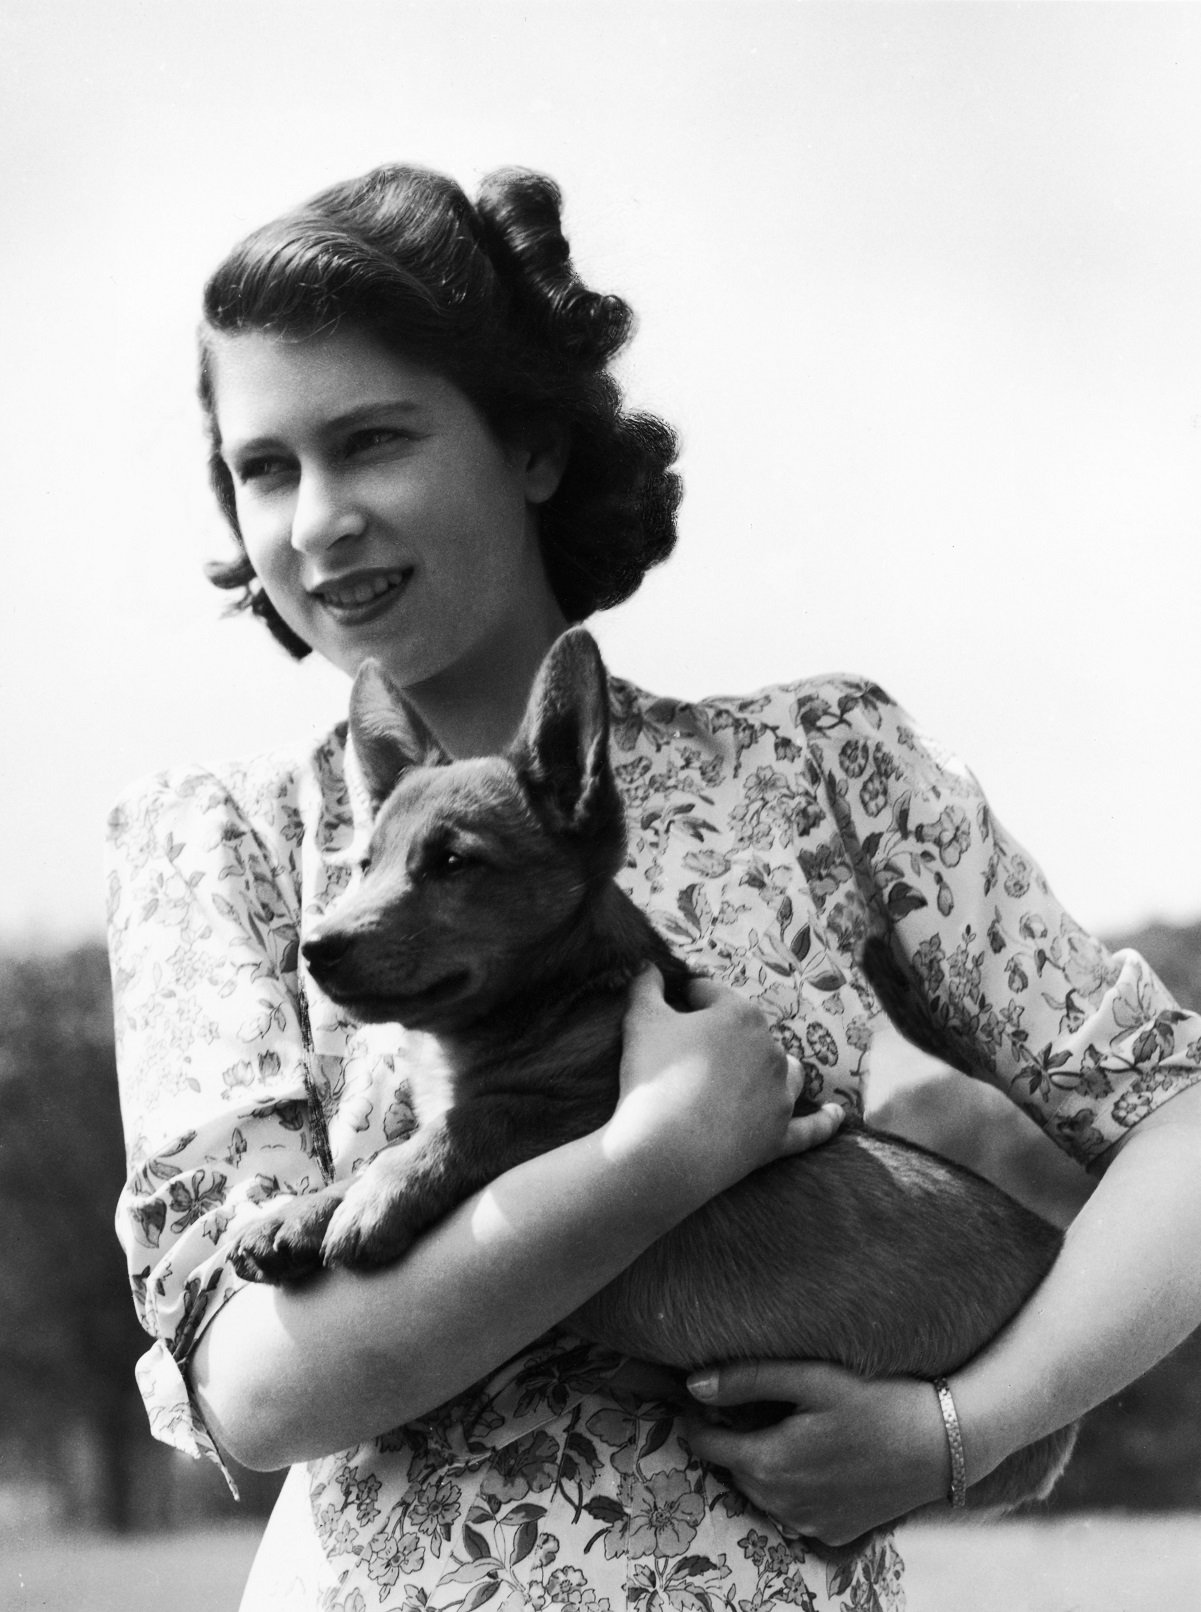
point(487, 297)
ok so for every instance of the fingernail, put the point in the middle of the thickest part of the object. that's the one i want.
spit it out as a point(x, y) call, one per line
point(834, 1109)
point(702, 1384)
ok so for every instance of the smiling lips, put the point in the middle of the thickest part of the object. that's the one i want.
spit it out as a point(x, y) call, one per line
point(358, 598)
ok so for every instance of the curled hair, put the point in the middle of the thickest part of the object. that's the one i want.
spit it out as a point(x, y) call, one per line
point(488, 297)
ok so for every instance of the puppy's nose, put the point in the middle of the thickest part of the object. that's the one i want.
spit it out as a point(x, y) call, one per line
point(324, 951)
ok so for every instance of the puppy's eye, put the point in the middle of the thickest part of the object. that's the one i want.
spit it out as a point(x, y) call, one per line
point(444, 863)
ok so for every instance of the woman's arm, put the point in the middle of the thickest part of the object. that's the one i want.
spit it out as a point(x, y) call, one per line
point(1090, 1045)
point(1124, 1291)
point(283, 1375)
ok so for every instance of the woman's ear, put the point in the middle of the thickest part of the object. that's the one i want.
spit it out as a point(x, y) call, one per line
point(544, 446)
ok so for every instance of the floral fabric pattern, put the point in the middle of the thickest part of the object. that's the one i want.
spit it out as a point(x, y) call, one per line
point(601, 1509)
point(769, 835)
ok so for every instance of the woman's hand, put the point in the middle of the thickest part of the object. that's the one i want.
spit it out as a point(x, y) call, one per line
point(712, 1088)
point(850, 1455)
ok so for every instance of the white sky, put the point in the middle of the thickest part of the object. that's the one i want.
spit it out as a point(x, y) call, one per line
point(920, 286)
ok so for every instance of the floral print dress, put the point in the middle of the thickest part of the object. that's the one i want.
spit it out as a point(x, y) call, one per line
point(766, 834)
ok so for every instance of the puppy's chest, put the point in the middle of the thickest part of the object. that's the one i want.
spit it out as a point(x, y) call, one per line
point(431, 1079)
point(375, 1086)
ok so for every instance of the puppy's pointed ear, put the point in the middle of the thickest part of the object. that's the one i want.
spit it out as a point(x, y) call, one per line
point(562, 750)
point(387, 737)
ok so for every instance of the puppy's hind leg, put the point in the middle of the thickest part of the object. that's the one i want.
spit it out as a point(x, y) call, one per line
point(1026, 1476)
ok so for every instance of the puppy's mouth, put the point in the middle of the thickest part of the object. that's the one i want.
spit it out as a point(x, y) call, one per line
point(416, 1009)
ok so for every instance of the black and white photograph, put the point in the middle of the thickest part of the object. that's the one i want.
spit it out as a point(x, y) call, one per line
point(600, 955)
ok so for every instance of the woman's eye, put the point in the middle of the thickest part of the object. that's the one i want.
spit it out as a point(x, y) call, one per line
point(261, 468)
point(370, 437)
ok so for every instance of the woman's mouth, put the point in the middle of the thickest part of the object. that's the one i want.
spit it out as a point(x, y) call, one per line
point(360, 598)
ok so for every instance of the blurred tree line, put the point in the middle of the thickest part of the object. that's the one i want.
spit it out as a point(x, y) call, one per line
point(71, 1420)
point(72, 1424)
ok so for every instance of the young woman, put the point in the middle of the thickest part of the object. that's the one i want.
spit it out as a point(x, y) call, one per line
point(423, 458)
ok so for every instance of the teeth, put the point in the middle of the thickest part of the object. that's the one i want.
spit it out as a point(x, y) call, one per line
point(363, 591)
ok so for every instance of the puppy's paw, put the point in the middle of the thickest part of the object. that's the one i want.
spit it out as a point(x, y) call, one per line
point(285, 1245)
point(371, 1228)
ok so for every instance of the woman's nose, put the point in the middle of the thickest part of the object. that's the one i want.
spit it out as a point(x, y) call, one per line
point(323, 514)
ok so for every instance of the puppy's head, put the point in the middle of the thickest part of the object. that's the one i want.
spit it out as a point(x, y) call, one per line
point(474, 870)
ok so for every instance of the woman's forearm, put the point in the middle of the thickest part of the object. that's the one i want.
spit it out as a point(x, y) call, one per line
point(1125, 1290)
point(287, 1374)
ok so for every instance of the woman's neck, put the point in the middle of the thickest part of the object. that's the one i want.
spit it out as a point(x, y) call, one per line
point(475, 708)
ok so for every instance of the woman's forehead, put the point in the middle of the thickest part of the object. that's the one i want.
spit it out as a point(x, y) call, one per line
point(265, 383)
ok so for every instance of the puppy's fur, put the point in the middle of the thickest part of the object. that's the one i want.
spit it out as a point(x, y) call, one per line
point(487, 915)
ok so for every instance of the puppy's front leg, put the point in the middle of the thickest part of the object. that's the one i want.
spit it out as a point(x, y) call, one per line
point(404, 1189)
point(284, 1244)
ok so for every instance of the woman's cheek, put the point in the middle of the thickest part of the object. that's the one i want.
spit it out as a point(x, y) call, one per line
point(267, 547)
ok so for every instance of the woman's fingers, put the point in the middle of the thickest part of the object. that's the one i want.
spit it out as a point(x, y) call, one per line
point(646, 994)
point(811, 1130)
point(704, 992)
point(847, 1454)
point(744, 1382)
point(713, 1084)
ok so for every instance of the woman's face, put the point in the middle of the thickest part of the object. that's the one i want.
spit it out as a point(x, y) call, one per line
point(380, 512)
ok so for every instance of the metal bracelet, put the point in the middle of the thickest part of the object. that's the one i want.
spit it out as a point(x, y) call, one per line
point(950, 1418)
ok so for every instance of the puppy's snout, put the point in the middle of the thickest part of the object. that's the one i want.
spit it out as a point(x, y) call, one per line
point(324, 950)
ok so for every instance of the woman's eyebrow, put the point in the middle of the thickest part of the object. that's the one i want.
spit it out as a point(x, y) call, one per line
point(336, 423)
point(366, 411)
